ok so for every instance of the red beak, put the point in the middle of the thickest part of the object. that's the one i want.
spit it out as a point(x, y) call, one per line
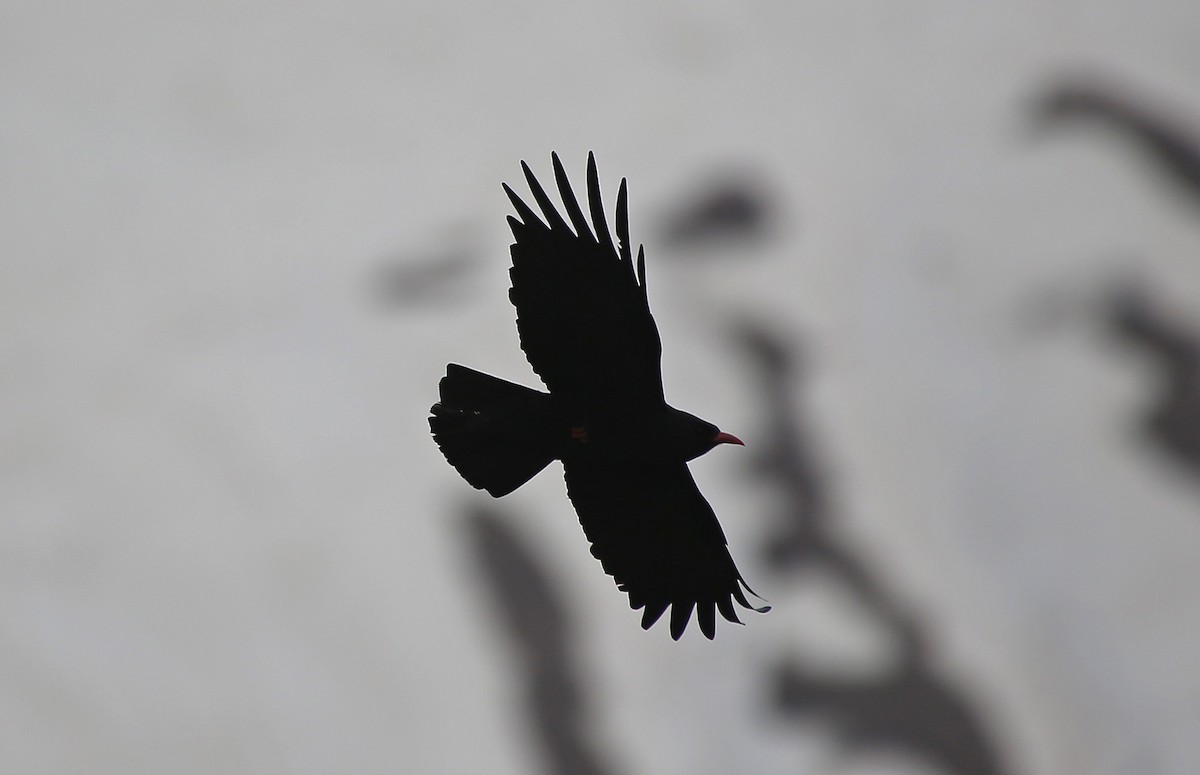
point(728, 438)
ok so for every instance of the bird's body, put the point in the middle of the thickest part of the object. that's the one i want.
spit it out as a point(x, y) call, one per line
point(585, 324)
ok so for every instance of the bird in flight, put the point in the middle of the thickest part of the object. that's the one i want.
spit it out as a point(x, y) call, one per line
point(585, 325)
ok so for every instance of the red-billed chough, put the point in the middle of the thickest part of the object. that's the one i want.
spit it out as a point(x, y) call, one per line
point(585, 325)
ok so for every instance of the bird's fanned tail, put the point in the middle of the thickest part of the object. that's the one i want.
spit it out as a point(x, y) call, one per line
point(497, 434)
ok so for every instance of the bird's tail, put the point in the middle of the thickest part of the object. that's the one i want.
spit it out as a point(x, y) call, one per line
point(496, 433)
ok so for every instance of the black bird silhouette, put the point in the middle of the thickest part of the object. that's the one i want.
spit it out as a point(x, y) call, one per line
point(585, 325)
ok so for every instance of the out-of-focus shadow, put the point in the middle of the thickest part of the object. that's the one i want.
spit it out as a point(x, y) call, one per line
point(1173, 148)
point(730, 207)
point(787, 460)
point(537, 625)
point(424, 281)
point(907, 708)
point(1172, 421)
point(910, 711)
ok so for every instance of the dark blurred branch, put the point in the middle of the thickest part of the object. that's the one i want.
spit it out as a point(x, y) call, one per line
point(424, 281)
point(908, 708)
point(1172, 148)
point(910, 711)
point(730, 207)
point(803, 537)
point(1173, 419)
point(536, 623)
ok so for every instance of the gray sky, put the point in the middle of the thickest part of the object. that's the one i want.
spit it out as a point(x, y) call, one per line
point(227, 543)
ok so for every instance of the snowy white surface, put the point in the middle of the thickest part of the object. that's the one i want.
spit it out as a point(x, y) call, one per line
point(227, 543)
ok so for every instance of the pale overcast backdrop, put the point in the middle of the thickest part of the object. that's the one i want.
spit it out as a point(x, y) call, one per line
point(957, 324)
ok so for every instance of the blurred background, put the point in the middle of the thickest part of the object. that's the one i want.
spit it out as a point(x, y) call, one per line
point(937, 264)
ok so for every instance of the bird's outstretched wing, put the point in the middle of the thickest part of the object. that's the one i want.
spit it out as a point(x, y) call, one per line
point(582, 310)
point(659, 539)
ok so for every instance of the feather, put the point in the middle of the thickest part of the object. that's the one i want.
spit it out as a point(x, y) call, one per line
point(570, 202)
point(596, 204)
point(528, 216)
point(539, 194)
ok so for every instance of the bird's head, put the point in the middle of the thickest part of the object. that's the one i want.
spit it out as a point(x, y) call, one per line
point(694, 436)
